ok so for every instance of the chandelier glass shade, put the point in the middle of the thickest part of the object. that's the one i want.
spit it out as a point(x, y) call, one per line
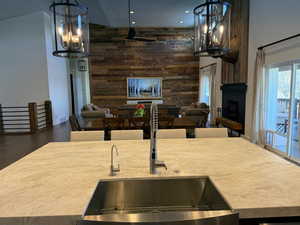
point(212, 28)
point(70, 29)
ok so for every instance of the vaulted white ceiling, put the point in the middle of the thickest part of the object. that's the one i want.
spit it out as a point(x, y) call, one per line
point(14, 8)
point(148, 13)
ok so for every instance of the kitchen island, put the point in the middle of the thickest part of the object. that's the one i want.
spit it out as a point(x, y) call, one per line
point(54, 184)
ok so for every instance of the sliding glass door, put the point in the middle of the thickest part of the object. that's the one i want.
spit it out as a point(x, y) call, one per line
point(282, 108)
point(278, 100)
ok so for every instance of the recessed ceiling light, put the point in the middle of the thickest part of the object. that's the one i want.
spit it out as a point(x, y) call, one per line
point(181, 22)
point(133, 22)
point(187, 11)
point(132, 11)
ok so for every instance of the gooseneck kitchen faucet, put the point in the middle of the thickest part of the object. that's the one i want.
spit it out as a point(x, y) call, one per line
point(154, 163)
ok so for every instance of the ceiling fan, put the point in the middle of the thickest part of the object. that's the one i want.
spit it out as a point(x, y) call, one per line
point(132, 31)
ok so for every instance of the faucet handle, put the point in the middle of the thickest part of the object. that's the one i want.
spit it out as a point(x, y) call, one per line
point(161, 164)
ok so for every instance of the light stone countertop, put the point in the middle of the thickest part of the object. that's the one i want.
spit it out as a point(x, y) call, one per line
point(54, 184)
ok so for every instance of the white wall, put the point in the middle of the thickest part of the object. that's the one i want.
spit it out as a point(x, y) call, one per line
point(269, 21)
point(28, 71)
point(58, 81)
point(23, 66)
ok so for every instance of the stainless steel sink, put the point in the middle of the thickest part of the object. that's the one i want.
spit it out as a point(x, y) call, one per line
point(192, 200)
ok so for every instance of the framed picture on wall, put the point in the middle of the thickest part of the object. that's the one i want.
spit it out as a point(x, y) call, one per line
point(144, 88)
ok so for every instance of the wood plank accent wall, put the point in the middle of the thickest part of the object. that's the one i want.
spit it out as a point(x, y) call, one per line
point(113, 59)
point(237, 72)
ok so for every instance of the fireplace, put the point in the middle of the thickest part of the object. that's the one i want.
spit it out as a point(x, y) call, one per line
point(234, 102)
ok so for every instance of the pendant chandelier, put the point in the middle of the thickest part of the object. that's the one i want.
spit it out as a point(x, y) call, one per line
point(212, 28)
point(70, 29)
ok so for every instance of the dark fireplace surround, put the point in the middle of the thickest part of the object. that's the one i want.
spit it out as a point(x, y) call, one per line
point(234, 102)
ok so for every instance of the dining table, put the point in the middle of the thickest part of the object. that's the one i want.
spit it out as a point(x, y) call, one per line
point(127, 124)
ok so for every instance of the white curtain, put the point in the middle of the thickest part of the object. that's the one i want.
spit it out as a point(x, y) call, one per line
point(207, 91)
point(258, 113)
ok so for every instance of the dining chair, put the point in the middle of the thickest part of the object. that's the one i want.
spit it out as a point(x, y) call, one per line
point(74, 123)
point(77, 136)
point(138, 122)
point(114, 123)
point(127, 135)
point(166, 122)
point(171, 133)
point(211, 132)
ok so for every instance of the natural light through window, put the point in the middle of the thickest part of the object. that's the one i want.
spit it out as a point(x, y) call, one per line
point(282, 107)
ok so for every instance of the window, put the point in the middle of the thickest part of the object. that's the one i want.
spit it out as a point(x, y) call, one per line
point(208, 89)
point(205, 89)
point(206, 84)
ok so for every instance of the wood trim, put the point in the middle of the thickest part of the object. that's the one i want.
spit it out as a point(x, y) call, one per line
point(212, 64)
point(129, 98)
point(108, 97)
point(32, 107)
point(236, 71)
point(48, 112)
point(1, 120)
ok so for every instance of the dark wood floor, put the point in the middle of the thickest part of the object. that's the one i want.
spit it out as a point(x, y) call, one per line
point(15, 147)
